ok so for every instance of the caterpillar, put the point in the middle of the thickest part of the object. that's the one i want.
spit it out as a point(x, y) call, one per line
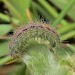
point(21, 37)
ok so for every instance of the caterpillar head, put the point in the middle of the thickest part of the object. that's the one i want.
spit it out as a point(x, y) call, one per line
point(40, 32)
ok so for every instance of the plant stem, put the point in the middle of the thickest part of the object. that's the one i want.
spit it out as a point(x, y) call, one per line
point(4, 60)
point(64, 11)
point(5, 38)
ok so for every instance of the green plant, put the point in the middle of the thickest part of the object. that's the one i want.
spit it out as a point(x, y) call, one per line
point(39, 58)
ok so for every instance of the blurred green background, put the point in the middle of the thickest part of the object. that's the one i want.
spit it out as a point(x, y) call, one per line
point(59, 14)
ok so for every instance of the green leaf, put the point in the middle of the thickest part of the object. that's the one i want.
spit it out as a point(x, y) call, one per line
point(71, 47)
point(5, 28)
point(40, 61)
point(43, 12)
point(68, 35)
point(18, 8)
point(65, 9)
point(65, 29)
point(4, 50)
point(51, 10)
point(7, 18)
point(61, 3)
point(4, 17)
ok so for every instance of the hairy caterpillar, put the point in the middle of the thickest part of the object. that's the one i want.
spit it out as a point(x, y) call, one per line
point(20, 40)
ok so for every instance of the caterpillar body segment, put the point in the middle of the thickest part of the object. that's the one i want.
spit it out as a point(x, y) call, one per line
point(40, 32)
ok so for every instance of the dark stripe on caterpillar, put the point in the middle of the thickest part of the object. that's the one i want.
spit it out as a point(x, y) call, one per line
point(21, 38)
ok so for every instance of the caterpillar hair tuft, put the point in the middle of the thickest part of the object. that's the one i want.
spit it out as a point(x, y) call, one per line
point(20, 39)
